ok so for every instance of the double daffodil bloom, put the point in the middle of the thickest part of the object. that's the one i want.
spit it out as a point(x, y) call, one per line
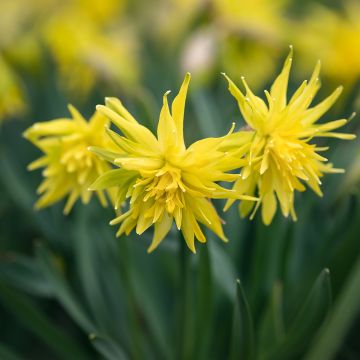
point(164, 180)
point(91, 42)
point(282, 157)
point(12, 99)
point(335, 35)
point(70, 168)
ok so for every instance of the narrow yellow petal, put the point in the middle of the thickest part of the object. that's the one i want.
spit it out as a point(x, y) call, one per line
point(279, 88)
point(116, 105)
point(187, 230)
point(316, 112)
point(178, 109)
point(166, 131)
point(244, 106)
point(133, 131)
point(268, 207)
point(162, 228)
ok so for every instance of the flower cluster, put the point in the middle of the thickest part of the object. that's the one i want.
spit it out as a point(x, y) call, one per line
point(161, 181)
point(336, 37)
point(281, 157)
point(164, 180)
point(12, 100)
point(70, 168)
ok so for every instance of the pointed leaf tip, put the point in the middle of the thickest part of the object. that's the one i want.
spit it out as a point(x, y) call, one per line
point(242, 346)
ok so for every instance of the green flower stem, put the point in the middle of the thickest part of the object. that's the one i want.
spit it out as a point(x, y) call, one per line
point(125, 273)
point(185, 335)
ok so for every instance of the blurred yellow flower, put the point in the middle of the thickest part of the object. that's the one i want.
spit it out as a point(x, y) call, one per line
point(12, 101)
point(19, 17)
point(70, 168)
point(90, 42)
point(237, 34)
point(20, 21)
point(164, 180)
point(281, 157)
point(250, 35)
point(262, 17)
point(336, 36)
point(99, 11)
point(170, 20)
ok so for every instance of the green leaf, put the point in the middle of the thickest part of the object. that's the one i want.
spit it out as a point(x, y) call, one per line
point(65, 296)
point(242, 346)
point(272, 329)
point(8, 354)
point(37, 323)
point(307, 321)
point(341, 318)
point(266, 260)
point(14, 181)
point(106, 347)
point(61, 289)
point(91, 252)
point(147, 297)
point(24, 273)
point(224, 270)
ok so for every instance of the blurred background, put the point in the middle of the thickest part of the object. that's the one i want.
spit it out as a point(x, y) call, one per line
point(70, 290)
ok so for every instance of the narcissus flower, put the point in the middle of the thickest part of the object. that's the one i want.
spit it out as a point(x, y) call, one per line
point(164, 180)
point(70, 168)
point(282, 157)
point(91, 42)
point(12, 100)
point(250, 36)
point(334, 34)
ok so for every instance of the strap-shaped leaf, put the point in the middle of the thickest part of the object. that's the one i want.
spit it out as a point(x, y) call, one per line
point(307, 322)
point(271, 329)
point(8, 354)
point(106, 347)
point(37, 323)
point(340, 319)
point(242, 346)
point(25, 274)
point(62, 291)
point(67, 299)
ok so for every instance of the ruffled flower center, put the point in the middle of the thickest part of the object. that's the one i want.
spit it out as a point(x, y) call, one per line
point(166, 189)
point(79, 161)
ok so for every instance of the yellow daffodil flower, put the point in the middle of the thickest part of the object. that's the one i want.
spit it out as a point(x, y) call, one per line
point(251, 35)
point(264, 17)
point(335, 35)
point(281, 157)
point(70, 168)
point(91, 42)
point(164, 179)
point(12, 100)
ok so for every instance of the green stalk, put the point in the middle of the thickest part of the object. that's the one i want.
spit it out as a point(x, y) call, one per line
point(185, 336)
point(125, 273)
